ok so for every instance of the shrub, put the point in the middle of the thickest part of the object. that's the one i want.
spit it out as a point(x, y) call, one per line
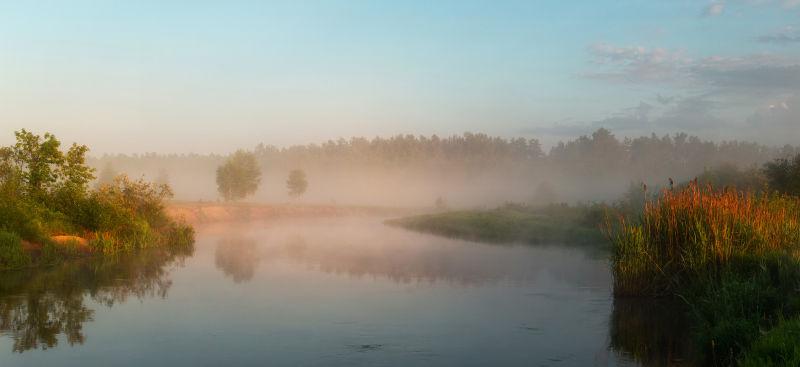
point(12, 255)
point(44, 192)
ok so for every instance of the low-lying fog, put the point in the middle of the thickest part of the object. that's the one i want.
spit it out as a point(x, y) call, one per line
point(464, 171)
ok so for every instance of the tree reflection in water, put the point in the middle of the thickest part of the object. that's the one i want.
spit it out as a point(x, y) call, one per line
point(401, 256)
point(237, 257)
point(37, 306)
point(653, 333)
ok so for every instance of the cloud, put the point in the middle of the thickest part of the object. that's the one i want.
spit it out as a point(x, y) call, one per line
point(691, 113)
point(756, 73)
point(694, 113)
point(777, 121)
point(714, 9)
point(785, 36)
point(718, 7)
point(751, 73)
point(789, 4)
point(636, 63)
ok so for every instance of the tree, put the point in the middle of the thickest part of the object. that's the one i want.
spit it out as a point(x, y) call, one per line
point(297, 183)
point(239, 176)
point(42, 169)
point(784, 175)
point(106, 176)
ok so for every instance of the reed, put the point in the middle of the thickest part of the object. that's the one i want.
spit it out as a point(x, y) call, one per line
point(697, 232)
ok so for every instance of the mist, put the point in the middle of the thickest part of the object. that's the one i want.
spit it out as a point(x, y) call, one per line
point(465, 171)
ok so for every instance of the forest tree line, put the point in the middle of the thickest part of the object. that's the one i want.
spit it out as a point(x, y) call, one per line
point(602, 156)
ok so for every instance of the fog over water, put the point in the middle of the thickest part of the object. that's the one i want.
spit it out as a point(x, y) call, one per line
point(325, 291)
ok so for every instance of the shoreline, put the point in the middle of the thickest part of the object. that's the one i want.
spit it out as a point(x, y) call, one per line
point(197, 213)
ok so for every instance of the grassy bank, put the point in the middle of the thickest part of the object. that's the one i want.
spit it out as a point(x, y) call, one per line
point(731, 256)
point(48, 212)
point(514, 224)
point(214, 212)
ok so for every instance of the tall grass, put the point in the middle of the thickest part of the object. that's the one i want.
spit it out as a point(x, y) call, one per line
point(697, 232)
point(733, 257)
point(12, 255)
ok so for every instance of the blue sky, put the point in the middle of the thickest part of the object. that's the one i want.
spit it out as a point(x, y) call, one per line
point(198, 76)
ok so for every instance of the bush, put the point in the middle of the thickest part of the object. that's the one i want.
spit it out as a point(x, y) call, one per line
point(12, 255)
point(784, 175)
point(44, 192)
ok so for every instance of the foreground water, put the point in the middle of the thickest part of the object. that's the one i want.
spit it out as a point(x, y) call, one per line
point(323, 292)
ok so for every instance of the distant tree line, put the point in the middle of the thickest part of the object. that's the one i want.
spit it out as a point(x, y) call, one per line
point(599, 156)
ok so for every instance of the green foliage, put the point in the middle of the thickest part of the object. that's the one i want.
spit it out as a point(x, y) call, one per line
point(239, 176)
point(752, 295)
point(729, 176)
point(779, 347)
point(297, 183)
point(514, 223)
point(12, 255)
point(44, 192)
point(784, 175)
point(731, 256)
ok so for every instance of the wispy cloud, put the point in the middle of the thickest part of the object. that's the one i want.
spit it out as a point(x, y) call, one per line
point(784, 36)
point(718, 7)
point(714, 9)
point(753, 73)
point(636, 63)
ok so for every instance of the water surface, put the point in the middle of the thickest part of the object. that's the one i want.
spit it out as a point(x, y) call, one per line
point(345, 291)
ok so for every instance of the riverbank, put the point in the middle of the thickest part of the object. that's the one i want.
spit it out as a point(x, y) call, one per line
point(514, 224)
point(732, 257)
point(49, 213)
point(197, 213)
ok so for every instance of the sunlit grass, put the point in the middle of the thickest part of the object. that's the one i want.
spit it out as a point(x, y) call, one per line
point(697, 232)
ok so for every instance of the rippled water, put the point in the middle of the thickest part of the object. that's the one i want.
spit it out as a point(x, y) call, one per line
point(322, 292)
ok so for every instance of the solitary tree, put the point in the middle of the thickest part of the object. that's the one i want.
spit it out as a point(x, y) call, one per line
point(297, 183)
point(239, 176)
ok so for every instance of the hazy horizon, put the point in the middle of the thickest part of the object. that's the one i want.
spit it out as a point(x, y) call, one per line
point(191, 77)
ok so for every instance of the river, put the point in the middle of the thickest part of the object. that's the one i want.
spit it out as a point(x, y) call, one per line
point(320, 292)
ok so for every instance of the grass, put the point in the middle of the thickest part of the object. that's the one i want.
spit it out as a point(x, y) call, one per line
point(779, 347)
point(511, 224)
point(732, 257)
point(698, 232)
point(12, 255)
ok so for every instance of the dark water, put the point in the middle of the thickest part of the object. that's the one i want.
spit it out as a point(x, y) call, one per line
point(348, 292)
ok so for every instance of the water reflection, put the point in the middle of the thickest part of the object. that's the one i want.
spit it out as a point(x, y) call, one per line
point(370, 249)
point(237, 257)
point(650, 332)
point(37, 306)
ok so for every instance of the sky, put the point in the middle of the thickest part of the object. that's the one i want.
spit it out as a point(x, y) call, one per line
point(201, 76)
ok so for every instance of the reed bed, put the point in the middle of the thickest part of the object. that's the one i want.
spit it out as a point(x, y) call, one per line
point(696, 232)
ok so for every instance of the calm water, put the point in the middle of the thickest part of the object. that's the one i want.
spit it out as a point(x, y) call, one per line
point(323, 292)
